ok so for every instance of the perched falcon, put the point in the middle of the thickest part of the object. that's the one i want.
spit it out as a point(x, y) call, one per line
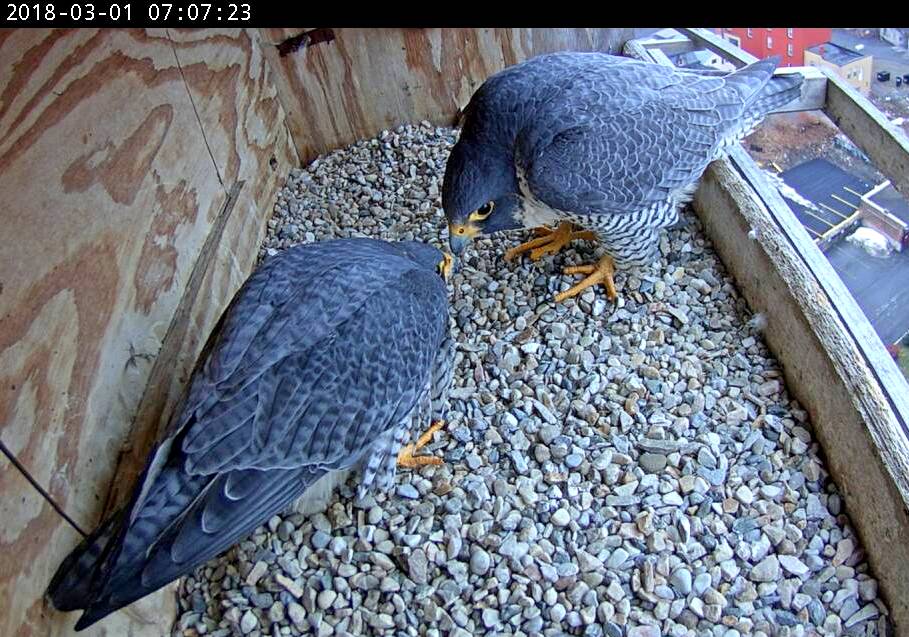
point(610, 144)
point(326, 360)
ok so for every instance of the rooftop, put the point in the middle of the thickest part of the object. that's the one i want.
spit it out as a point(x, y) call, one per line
point(835, 192)
point(697, 60)
point(878, 286)
point(836, 54)
point(893, 202)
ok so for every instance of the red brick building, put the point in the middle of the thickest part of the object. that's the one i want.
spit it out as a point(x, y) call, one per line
point(789, 44)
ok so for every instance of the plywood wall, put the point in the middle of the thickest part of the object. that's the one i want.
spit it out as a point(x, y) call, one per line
point(118, 154)
point(352, 83)
point(138, 170)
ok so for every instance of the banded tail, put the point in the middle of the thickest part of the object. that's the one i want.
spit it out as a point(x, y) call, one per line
point(764, 92)
point(167, 530)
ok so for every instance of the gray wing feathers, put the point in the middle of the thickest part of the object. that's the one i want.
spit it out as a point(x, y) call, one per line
point(312, 366)
point(621, 135)
point(442, 373)
point(779, 91)
point(320, 407)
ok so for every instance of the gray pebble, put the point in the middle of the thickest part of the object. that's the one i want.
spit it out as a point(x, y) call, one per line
point(561, 517)
point(408, 491)
point(652, 462)
point(479, 562)
point(604, 461)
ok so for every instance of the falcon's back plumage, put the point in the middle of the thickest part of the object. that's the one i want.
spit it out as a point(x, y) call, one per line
point(326, 357)
point(610, 143)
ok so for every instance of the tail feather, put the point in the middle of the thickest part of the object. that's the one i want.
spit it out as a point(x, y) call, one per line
point(748, 81)
point(183, 544)
point(70, 589)
point(779, 91)
point(760, 93)
point(760, 90)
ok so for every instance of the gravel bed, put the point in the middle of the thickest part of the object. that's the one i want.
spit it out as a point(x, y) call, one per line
point(634, 469)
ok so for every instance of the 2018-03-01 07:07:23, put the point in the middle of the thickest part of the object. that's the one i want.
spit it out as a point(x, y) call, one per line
point(47, 12)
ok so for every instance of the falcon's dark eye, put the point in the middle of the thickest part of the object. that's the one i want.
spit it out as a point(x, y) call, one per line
point(482, 212)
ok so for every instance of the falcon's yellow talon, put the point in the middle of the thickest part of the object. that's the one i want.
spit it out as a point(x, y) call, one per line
point(426, 438)
point(549, 241)
point(602, 272)
point(406, 457)
point(579, 269)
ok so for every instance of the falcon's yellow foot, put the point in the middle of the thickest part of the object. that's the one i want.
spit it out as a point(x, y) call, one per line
point(549, 241)
point(602, 272)
point(406, 457)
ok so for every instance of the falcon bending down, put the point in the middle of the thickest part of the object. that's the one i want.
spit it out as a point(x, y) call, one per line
point(327, 358)
point(610, 144)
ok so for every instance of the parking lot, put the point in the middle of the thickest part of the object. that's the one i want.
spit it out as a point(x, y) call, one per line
point(893, 100)
point(889, 88)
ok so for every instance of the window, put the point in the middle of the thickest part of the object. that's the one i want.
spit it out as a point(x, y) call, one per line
point(789, 33)
point(789, 49)
point(769, 42)
point(750, 33)
point(736, 41)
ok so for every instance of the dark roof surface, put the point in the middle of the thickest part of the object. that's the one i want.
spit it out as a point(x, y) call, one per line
point(828, 186)
point(894, 202)
point(836, 54)
point(879, 286)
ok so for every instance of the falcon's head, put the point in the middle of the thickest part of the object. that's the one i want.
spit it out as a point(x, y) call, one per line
point(479, 194)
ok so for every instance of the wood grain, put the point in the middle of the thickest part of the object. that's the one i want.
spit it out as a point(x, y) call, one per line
point(100, 221)
point(40, 536)
point(824, 367)
point(367, 80)
point(245, 132)
point(114, 163)
point(885, 143)
point(833, 361)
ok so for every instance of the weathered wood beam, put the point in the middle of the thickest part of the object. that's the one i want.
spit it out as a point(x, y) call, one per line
point(720, 45)
point(884, 143)
point(833, 362)
point(670, 46)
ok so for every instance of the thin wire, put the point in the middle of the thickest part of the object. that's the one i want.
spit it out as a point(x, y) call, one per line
point(39, 488)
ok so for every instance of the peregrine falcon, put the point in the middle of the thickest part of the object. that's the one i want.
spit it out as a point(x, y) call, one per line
point(325, 361)
point(610, 144)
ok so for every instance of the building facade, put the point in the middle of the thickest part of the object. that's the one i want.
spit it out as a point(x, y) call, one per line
point(897, 37)
point(885, 210)
point(788, 43)
point(854, 67)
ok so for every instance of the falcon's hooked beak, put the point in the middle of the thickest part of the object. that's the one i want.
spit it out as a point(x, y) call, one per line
point(446, 265)
point(459, 235)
